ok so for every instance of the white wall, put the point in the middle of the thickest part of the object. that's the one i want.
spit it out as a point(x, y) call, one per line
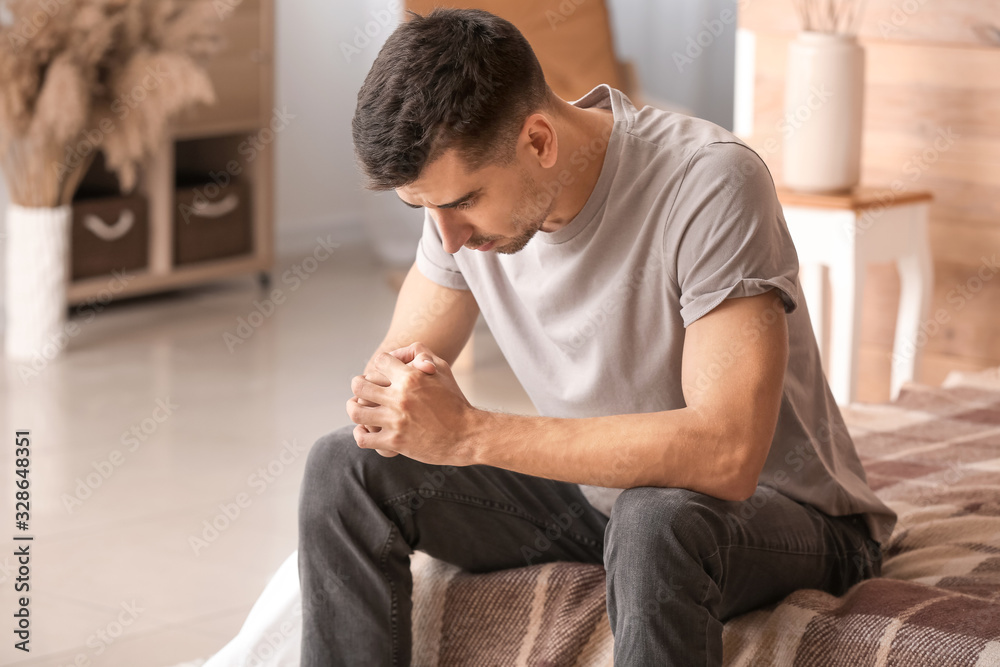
point(324, 49)
point(684, 51)
point(317, 184)
point(323, 52)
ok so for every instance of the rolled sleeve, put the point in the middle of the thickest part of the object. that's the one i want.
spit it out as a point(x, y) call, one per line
point(432, 260)
point(732, 240)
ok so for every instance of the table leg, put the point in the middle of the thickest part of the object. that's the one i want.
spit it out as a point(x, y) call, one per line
point(847, 280)
point(916, 287)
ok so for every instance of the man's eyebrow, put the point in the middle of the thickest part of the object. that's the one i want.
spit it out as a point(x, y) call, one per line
point(461, 200)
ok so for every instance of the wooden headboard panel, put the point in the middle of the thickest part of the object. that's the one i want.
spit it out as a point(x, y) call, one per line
point(931, 67)
point(573, 45)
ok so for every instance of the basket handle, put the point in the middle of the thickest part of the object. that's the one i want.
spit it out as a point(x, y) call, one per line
point(216, 209)
point(106, 232)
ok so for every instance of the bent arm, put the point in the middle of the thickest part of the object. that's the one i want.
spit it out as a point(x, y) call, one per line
point(440, 317)
point(733, 372)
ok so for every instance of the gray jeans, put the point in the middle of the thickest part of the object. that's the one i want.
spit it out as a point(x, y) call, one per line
point(679, 563)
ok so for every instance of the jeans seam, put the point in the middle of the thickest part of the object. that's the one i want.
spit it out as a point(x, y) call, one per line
point(487, 504)
point(783, 551)
point(393, 614)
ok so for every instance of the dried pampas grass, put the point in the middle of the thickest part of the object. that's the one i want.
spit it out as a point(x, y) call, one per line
point(77, 76)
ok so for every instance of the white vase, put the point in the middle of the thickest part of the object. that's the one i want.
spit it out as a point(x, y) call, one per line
point(824, 101)
point(35, 298)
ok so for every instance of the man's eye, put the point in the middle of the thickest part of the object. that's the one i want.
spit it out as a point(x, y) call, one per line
point(464, 205)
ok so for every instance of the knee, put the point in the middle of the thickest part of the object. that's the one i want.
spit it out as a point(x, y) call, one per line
point(332, 453)
point(651, 520)
point(332, 460)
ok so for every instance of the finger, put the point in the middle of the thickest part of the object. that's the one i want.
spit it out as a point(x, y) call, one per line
point(377, 377)
point(360, 414)
point(417, 355)
point(369, 391)
point(391, 367)
point(425, 364)
point(381, 380)
point(405, 354)
point(362, 436)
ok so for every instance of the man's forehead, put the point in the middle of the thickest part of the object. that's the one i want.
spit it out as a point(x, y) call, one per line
point(432, 201)
point(443, 183)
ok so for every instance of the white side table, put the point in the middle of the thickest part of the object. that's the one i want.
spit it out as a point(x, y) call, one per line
point(845, 233)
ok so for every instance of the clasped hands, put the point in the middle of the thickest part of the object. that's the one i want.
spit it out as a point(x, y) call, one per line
point(410, 404)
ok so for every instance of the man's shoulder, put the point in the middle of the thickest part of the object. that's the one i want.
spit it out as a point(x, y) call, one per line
point(664, 142)
point(679, 133)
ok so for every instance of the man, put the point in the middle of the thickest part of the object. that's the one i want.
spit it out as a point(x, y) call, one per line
point(635, 269)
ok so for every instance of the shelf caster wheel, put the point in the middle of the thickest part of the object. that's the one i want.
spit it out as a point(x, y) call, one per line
point(264, 279)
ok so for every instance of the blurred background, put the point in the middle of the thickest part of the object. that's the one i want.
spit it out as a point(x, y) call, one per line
point(214, 315)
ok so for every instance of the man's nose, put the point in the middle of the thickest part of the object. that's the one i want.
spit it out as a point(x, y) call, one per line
point(454, 232)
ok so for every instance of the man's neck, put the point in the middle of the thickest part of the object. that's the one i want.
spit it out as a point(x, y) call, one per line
point(583, 141)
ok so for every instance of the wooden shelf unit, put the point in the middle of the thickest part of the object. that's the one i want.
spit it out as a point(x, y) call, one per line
point(243, 75)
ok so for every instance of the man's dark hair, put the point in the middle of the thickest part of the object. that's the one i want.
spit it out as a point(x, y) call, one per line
point(455, 78)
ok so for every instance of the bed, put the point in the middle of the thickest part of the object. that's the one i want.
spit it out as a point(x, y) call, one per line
point(933, 455)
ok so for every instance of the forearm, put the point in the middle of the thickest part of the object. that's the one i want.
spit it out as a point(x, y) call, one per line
point(677, 448)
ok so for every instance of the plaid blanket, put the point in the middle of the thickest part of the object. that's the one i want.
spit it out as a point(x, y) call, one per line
point(933, 456)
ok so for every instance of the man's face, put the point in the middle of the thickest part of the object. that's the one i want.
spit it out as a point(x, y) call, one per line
point(494, 208)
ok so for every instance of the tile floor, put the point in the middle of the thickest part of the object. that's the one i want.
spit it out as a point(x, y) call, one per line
point(117, 576)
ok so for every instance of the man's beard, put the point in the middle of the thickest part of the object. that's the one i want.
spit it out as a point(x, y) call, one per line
point(528, 217)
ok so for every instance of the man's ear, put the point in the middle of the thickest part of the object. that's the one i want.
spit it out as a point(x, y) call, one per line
point(538, 135)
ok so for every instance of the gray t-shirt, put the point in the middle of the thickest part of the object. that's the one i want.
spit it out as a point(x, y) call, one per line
point(591, 317)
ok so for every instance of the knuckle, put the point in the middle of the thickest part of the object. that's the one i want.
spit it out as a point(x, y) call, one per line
point(408, 383)
point(399, 423)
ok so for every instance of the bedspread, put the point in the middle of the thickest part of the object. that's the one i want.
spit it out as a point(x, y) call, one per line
point(933, 456)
